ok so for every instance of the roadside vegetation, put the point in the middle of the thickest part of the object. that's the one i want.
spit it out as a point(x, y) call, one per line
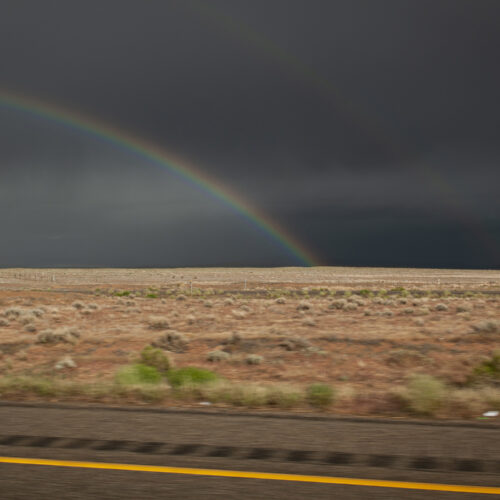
point(394, 351)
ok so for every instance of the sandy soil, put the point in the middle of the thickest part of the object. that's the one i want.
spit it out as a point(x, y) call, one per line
point(363, 345)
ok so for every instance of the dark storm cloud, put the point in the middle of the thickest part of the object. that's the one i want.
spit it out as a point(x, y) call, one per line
point(370, 129)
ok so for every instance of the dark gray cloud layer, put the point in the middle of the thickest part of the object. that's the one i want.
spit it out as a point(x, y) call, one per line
point(370, 130)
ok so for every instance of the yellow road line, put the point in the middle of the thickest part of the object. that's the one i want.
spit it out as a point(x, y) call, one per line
point(457, 488)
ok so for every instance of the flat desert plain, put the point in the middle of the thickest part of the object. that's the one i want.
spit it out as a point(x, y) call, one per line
point(391, 342)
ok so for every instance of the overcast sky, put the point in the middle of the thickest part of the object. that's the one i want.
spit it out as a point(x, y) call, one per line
point(368, 129)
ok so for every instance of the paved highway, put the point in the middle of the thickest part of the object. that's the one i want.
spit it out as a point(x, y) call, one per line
point(69, 452)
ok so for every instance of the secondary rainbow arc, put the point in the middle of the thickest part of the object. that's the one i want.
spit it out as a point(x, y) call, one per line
point(162, 158)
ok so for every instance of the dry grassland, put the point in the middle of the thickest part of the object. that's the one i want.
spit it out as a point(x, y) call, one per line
point(364, 332)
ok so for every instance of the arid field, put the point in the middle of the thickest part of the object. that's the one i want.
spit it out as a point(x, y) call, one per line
point(355, 341)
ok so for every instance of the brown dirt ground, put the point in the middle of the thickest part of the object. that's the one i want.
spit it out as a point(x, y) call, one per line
point(362, 355)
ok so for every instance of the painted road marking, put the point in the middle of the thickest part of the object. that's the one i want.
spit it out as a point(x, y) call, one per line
point(457, 488)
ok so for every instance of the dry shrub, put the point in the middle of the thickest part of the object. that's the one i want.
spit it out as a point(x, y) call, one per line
point(30, 327)
point(68, 334)
point(26, 318)
point(13, 312)
point(441, 307)
point(486, 326)
point(181, 297)
point(404, 357)
point(338, 304)
point(294, 343)
point(238, 314)
point(351, 306)
point(309, 322)
point(422, 311)
point(4, 322)
point(158, 322)
point(254, 359)
point(171, 341)
point(387, 312)
point(424, 394)
point(233, 339)
point(95, 306)
point(78, 305)
point(38, 312)
point(469, 402)
point(229, 301)
point(217, 356)
point(190, 319)
point(303, 306)
point(280, 300)
point(66, 362)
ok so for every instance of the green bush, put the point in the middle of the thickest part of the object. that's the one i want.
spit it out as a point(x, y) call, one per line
point(488, 370)
point(320, 395)
point(137, 374)
point(125, 293)
point(425, 394)
point(152, 356)
point(152, 296)
point(190, 375)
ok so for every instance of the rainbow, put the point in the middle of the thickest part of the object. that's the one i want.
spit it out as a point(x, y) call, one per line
point(163, 159)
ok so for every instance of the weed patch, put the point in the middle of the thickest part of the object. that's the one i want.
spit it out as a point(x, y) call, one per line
point(190, 375)
point(320, 395)
point(137, 374)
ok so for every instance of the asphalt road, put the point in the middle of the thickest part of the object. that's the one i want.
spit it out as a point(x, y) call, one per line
point(443, 454)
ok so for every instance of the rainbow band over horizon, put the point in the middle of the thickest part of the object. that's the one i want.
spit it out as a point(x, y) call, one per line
point(164, 159)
